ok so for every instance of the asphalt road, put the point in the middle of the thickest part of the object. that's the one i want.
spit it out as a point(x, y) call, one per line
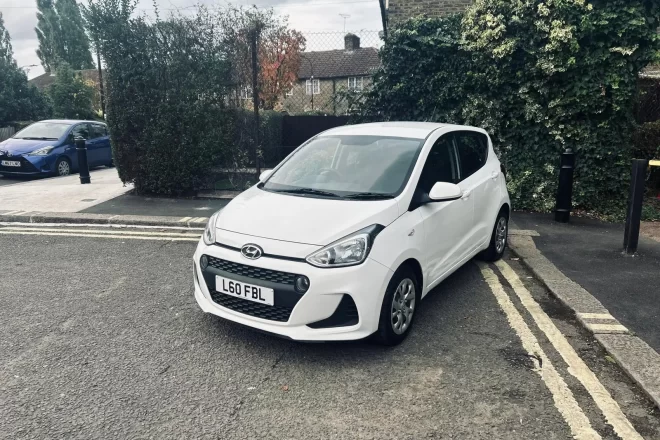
point(102, 338)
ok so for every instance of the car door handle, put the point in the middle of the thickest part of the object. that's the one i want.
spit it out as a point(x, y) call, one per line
point(466, 195)
point(494, 175)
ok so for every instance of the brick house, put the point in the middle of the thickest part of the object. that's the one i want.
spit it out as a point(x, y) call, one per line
point(398, 10)
point(324, 75)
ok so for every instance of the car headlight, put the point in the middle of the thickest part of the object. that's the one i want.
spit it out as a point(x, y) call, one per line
point(348, 251)
point(209, 231)
point(45, 151)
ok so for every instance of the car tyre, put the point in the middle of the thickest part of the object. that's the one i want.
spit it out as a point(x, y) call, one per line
point(62, 167)
point(498, 239)
point(397, 313)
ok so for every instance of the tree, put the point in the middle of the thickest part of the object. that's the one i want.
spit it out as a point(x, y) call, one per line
point(279, 62)
point(279, 50)
point(61, 34)
point(49, 34)
point(18, 100)
point(6, 50)
point(71, 97)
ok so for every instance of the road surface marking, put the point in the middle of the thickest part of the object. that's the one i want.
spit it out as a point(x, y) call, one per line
point(605, 328)
point(185, 219)
point(129, 237)
point(576, 365)
point(564, 400)
point(97, 225)
point(85, 232)
point(596, 316)
point(12, 212)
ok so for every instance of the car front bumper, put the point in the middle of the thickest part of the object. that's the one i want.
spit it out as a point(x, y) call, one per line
point(30, 165)
point(313, 315)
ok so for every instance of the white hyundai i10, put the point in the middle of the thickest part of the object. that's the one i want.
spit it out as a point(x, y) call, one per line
point(344, 238)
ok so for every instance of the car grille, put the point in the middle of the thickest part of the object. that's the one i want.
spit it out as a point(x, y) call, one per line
point(273, 313)
point(257, 273)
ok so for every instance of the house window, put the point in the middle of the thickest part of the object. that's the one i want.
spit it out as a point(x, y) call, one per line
point(246, 92)
point(355, 83)
point(290, 92)
point(313, 86)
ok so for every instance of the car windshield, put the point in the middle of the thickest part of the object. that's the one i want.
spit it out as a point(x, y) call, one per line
point(352, 167)
point(43, 131)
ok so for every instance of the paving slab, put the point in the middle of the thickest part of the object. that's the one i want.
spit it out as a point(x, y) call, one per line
point(62, 194)
point(132, 204)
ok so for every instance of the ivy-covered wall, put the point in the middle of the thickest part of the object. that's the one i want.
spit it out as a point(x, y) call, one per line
point(540, 76)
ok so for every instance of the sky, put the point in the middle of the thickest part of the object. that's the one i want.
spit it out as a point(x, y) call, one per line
point(312, 17)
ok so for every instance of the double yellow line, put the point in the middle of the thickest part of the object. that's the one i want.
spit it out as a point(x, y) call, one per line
point(173, 235)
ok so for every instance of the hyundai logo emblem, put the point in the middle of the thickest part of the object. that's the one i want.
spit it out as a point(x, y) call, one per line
point(252, 251)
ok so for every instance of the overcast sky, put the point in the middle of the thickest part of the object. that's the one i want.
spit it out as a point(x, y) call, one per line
point(307, 16)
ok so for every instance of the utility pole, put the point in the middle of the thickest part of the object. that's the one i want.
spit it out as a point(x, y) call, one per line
point(101, 88)
point(254, 36)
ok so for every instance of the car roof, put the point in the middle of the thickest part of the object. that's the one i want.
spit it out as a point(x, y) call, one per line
point(70, 121)
point(413, 130)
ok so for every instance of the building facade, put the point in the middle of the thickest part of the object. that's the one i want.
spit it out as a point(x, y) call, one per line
point(400, 10)
point(325, 77)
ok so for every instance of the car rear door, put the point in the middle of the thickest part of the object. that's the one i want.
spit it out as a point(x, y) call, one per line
point(104, 143)
point(96, 151)
point(446, 224)
point(479, 177)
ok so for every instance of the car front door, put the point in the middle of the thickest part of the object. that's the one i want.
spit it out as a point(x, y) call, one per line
point(446, 224)
point(78, 130)
point(480, 177)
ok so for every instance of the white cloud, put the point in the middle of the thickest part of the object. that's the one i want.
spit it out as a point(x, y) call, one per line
point(319, 20)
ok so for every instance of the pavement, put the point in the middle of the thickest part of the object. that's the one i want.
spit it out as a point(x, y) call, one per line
point(61, 194)
point(589, 252)
point(614, 296)
point(107, 341)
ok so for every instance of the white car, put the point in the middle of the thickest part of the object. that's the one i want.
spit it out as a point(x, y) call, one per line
point(345, 237)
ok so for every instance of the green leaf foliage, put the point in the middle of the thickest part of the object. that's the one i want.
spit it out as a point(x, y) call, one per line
point(71, 97)
point(62, 36)
point(18, 100)
point(541, 76)
point(168, 86)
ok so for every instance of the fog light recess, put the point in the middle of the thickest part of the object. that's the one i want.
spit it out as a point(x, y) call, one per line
point(302, 284)
point(204, 262)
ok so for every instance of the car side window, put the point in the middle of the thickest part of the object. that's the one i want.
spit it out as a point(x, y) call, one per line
point(81, 130)
point(440, 165)
point(97, 131)
point(472, 151)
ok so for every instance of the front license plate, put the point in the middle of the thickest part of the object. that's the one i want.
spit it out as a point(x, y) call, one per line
point(250, 292)
point(11, 163)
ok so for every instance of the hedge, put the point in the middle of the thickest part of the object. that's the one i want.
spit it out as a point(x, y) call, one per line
point(540, 76)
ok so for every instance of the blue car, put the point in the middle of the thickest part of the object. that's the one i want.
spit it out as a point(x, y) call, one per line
point(48, 148)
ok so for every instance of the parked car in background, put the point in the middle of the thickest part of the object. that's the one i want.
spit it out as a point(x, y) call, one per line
point(348, 234)
point(48, 148)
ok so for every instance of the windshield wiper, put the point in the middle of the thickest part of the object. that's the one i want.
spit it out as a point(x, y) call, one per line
point(368, 196)
point(310, 191)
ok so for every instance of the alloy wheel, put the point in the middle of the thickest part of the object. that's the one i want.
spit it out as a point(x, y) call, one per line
point(63, 168)
point(500, 235)
point(403, 306)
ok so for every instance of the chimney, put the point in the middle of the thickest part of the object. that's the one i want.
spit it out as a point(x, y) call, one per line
point(351, 42)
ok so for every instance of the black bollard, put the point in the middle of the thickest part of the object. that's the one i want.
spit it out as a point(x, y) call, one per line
point(565, 191)
point(83, 167)
point(635, 202)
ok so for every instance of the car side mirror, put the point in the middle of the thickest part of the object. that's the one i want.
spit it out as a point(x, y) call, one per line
point(445, 191)
point(265, 174)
